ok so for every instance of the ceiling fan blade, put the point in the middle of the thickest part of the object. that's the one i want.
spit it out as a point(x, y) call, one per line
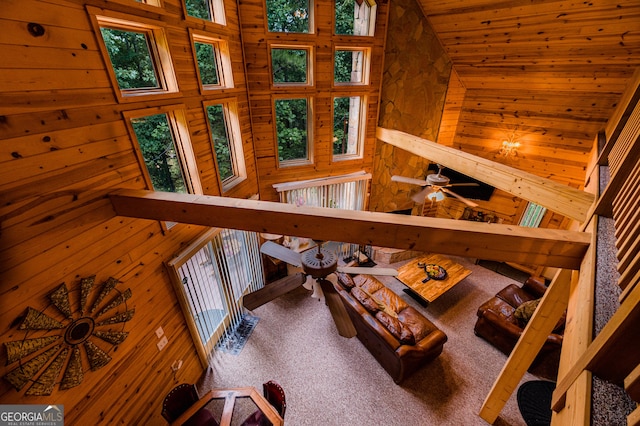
point(462, 184)
point(332, 246)
point(368, 271)
point(273, 290)
point(412, 181)
point(464, 200)
point(280, 252)
point(338, 311)
point(419, 197)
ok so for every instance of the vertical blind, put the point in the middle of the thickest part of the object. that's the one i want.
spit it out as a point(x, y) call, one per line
point(212, 276)
point(347, 192)
point(533, 215)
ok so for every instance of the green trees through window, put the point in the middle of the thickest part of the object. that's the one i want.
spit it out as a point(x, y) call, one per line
point(198, 9)
point(131, 58)
point(353, 17)
point(289, 65)
point(221, 144)
point(288, 16)
point(291, 128)
point(207, 64)
point(346, 126)
point(156, 142)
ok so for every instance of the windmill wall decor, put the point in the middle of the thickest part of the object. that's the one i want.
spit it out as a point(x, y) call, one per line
point(76, 329)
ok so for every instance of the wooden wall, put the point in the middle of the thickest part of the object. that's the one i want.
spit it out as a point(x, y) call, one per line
point(547, 73)
point(64, 146)
point(262, 93)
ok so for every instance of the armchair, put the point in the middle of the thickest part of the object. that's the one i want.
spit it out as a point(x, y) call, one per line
point(499, 324)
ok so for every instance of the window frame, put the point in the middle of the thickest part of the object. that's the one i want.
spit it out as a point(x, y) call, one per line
point(234, 136)
point(223, 61)
point(216, 10)
point(227, 278)
point(156, 6)
point(177, 117)
point(280, 164)
point(310, 64)
point(365, 68)
point(361, 126)
point(158, 49)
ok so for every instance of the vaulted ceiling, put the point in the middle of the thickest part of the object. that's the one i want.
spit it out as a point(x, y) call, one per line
point(546, 73)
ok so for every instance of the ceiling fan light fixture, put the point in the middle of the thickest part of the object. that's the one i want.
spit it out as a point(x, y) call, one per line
point(509, 148)
point(435, 196)
point(317, 291)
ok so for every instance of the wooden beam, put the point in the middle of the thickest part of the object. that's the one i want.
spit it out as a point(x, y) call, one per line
point(541, 324)
point(556, 197)
point(551, 247)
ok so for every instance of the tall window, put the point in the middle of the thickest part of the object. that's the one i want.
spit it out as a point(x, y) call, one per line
point(348, 127)
point(227, 143)
point(289, 16)
point(355, 17)
point(139, 56)
point(210, 277)
point(165, 150)
point(292, 127)
point(209, 10)
point(213, 60)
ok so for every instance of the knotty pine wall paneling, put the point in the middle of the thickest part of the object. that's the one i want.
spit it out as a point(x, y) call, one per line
point(262, 93)
point(549, 74)
point(64, 146)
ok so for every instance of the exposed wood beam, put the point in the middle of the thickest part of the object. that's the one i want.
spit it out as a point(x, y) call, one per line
point(551, 247)
point(556, 197)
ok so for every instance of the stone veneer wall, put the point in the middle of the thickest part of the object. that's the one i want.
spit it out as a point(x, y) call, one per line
point(414, 87)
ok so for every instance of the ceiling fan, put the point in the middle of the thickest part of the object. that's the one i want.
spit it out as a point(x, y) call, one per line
point(435, 187)
point(318, 264)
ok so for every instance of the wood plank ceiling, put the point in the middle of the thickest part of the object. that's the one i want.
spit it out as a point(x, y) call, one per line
point(546, 73)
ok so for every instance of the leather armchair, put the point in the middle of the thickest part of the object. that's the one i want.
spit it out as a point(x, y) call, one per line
point(498, 325)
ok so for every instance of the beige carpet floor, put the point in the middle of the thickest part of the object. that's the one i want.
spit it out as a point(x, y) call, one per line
point(330, 380)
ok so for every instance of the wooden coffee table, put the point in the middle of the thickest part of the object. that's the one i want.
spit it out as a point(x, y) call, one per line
point(426, 292)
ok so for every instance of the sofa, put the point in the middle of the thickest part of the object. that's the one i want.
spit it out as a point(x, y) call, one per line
point(400, 338)
point(502, 319)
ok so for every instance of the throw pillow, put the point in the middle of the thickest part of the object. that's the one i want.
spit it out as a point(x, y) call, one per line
point(345, 280)
point(396, 328)
point(364, 299)
point(525, 311)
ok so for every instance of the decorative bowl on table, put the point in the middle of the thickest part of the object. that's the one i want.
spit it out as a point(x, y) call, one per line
point(433, 271)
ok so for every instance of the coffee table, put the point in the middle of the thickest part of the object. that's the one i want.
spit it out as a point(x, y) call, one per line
point(427, 291)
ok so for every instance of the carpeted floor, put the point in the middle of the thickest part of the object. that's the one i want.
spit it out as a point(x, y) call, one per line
point(330, 380)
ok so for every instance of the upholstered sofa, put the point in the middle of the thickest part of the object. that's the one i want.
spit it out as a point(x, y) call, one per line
point(397, 335)
point(501, 323)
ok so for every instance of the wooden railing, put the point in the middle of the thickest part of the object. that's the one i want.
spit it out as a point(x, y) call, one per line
point(614, 354)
